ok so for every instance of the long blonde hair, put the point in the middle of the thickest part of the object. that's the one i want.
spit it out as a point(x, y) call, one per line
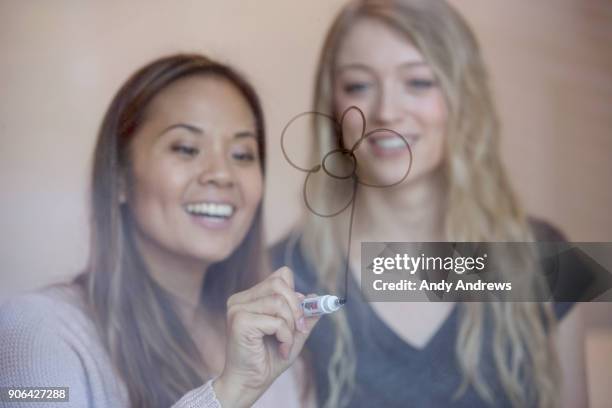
point(481, 204)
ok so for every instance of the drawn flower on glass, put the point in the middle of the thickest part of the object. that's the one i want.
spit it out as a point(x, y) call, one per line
point(349, 171)
point(346, 155)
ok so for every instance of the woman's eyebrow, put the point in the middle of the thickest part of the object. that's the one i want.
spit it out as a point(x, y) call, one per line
point(355, 65)
point(364, 67)
point(412, 64)
point(243, 134)
point(191, 128)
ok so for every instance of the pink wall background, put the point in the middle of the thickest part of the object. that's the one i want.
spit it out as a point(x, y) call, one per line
point(62, 60)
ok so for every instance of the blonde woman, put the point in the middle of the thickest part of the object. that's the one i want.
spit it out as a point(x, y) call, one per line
point(177, 306)
point(415, 67)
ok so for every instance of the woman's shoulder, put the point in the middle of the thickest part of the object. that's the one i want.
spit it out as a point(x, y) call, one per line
point(55, 317)
point(544, 230)
point(49, 338)
point(52, 308)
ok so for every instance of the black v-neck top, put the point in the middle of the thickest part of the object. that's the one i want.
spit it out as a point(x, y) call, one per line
point(389, 371)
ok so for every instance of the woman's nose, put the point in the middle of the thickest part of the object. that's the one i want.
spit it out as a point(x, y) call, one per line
point(386, 109)
point(216, 170)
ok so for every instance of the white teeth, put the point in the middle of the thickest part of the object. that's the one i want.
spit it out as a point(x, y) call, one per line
point(211, 209)
point(394, 142)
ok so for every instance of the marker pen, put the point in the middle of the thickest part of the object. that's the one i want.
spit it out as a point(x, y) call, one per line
point(321, 305)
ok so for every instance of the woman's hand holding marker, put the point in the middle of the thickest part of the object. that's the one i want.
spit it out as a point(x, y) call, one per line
point(266, 330)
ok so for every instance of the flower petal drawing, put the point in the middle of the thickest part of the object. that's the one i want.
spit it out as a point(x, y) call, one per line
point(341, 164)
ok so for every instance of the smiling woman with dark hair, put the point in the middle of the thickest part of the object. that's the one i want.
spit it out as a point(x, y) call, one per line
point(170, 299)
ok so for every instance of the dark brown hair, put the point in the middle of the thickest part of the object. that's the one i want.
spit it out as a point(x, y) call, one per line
point(135, 317)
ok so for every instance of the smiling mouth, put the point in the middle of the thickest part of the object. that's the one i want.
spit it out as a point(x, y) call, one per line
point(394, 142)
point(218, 211)
point(391, 145)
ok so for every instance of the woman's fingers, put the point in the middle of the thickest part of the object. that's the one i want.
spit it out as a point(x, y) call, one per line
point(273, 305)
point(254, 326)
point(309, 324)
point(286, 275)
point(281, 283)
point(300, 337)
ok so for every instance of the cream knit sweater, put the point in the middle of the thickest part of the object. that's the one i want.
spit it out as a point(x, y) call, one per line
point(47, 340)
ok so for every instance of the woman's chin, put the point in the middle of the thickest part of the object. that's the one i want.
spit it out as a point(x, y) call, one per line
point(397, 178)
point(211, 254)
point(385, 177)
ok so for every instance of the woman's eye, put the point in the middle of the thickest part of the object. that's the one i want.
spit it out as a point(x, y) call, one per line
point(420, 84)
point(185, 150)
point(244, 156)
point(355, 87)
